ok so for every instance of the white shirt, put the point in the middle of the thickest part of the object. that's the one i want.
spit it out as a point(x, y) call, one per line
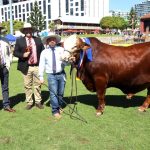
point(6, 52)
point(45, 63)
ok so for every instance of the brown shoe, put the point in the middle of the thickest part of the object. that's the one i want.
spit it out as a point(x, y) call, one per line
point(28, 107)
point(57, 116)
point(39, 105)
point(61, 110)
point(9, 109)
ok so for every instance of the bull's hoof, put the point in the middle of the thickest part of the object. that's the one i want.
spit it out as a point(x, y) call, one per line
point(129, 96)
point(99, 113)
point(142, 109)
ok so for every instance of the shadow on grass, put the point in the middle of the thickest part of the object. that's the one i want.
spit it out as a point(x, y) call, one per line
point(14, 100)
point(111, 100)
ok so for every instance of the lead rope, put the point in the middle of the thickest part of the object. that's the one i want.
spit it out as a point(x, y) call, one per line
point(60, 98)
point(73, 78)
point(74, 109)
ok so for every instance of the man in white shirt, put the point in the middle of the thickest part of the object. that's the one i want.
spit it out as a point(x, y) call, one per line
point(51, 63)
point(5, 61)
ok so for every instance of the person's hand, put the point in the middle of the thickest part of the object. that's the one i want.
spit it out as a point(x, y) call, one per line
point(26, 54)
point(42, 81)
point(72, 59)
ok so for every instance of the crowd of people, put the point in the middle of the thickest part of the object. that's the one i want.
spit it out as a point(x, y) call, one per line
point(34, 58)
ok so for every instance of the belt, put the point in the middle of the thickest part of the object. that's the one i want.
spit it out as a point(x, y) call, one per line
point(33, 65)
point(2, 66)
point(58, 73)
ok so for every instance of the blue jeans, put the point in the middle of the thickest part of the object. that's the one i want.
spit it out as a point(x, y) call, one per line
point(4, 76)
point(56, 85)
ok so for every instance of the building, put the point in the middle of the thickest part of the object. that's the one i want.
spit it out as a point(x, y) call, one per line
point(143, 8)
point(54, 9)
point(119, 14)
point(86, 26)
point(145, 23)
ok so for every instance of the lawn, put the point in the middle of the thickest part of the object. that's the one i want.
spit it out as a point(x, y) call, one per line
point(121, 127)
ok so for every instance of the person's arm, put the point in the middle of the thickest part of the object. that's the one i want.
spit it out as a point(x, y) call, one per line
point(9, 53)
point(41, 67)
point(18, 52)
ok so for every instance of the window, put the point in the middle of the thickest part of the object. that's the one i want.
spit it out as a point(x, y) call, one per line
point(76, 4)
point(49, 12)
point(19, 8)
point(44, 7)
point(71, 11)
point(16, 12)
point(6, 16)
point(67, 6)
point(27, 7)
point(82, 5)
point(2, 11)
point(24, 17)
point(31, 5)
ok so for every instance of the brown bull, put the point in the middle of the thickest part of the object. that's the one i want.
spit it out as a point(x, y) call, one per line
point(126, 68)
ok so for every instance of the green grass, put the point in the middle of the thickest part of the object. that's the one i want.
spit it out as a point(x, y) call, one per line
point(121, 127)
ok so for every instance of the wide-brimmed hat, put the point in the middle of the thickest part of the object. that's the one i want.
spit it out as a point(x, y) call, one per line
point(52, 35)
point(27, 26)
point(1, 27)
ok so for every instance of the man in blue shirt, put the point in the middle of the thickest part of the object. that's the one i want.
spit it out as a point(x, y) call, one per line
point(52, 64)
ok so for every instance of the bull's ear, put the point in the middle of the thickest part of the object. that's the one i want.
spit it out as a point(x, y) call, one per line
point(81, 44)
point(61, 44)
point(86, 46)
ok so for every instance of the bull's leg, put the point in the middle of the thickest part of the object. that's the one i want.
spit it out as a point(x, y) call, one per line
point(101, 89)
point(146, 102)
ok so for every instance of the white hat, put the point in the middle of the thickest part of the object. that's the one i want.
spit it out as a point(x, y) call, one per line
point(52, 35)
point(27, 26)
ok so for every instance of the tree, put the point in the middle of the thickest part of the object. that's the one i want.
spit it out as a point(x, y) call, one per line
point(114, 22)
point(119, 23)
point(36, 19)
point(132, 19)
point(17, 25)
point(52, 26)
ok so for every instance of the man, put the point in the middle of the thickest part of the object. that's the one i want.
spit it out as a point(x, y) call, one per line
point(50, 61)
point(5, 61)
point(28, 50)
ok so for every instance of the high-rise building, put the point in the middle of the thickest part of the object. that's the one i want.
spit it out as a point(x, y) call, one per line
point(53, 9)
point(143, 8)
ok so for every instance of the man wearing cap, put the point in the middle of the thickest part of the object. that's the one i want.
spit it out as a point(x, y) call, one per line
point(51, 63)
point(5, 61)
point(28, 50)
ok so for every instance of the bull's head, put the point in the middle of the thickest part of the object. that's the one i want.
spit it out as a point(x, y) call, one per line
point(72, 45)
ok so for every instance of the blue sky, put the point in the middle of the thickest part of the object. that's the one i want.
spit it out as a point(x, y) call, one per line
point(123, 5)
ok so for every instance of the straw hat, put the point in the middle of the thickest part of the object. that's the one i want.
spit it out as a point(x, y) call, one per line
point(52, 35)
point(27, 26)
